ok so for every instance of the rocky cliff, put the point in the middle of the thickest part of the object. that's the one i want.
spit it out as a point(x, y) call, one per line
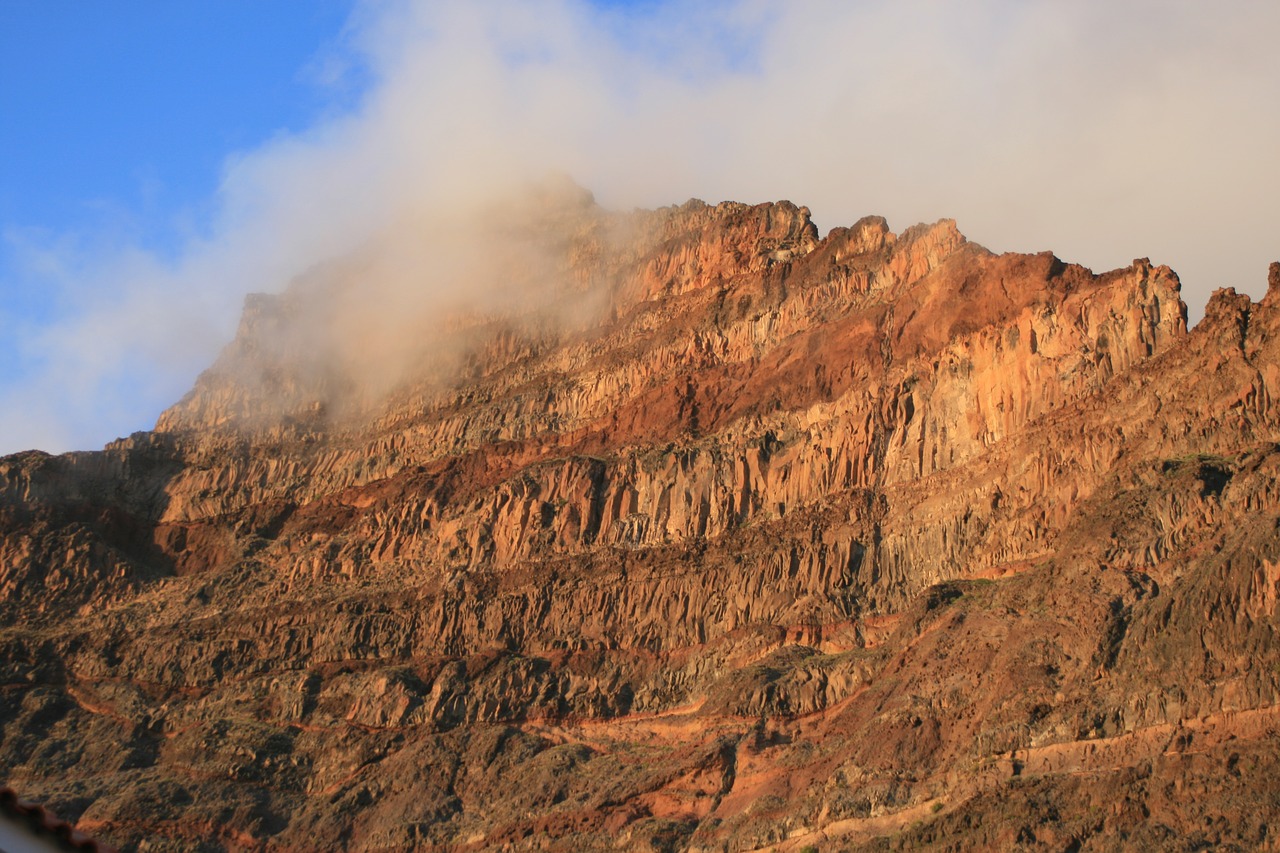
point(772, 541)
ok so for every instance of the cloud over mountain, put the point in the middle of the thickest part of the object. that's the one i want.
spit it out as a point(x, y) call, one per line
point(1099, 130)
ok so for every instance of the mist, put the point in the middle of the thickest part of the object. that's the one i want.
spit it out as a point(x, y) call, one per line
point(1103, 131)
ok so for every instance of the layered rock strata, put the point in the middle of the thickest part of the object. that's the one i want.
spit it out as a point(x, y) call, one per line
point(785, 540)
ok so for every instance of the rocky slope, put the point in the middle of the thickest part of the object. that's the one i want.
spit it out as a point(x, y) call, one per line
point(774, 541)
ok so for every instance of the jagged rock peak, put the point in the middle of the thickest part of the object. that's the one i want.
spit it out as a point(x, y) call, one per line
point(289, 363)
point(854, 542)
point(1273, 281)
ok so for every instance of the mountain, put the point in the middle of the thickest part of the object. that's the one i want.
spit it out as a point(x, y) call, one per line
point(689, 530)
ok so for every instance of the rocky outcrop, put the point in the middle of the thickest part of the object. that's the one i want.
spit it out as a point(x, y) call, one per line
point(781, 539)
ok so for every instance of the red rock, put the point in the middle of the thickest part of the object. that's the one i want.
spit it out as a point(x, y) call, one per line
point(797, 539)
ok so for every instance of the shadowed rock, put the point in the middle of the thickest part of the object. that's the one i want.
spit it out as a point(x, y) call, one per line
point(869, 539)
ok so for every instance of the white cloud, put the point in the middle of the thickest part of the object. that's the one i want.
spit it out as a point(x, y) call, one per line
point(1101, 130)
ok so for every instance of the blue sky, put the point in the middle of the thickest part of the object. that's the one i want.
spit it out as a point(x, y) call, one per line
point(158, 160)
point(131, 107)
point(118, 116)
point(116, 121)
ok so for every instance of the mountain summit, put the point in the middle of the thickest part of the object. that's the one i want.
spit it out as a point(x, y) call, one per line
point(689, 529)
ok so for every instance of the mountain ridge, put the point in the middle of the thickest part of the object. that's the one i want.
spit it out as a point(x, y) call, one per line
point(782, 540)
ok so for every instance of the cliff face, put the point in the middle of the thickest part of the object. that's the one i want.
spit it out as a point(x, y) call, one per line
point(772, 539)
